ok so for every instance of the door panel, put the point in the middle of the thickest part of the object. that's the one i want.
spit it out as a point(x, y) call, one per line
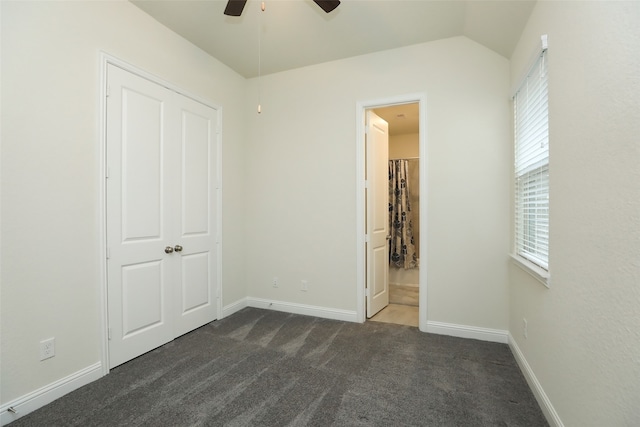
point(196, 146)
point(195, 281)
point(142, 289)
point(377, 149)
point(141, 144)
point(379, 272)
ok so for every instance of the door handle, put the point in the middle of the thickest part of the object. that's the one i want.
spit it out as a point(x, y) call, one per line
point(388, 236)
point(168, 249)
point(178, 248)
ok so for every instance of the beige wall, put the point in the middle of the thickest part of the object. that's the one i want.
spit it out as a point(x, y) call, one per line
point(583, 340)
point(404, 146)
point(301, 178)
point(294, 166)
point(51, 226)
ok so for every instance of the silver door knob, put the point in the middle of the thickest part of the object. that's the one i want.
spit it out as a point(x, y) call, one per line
point(178, 248)
point(168, 249)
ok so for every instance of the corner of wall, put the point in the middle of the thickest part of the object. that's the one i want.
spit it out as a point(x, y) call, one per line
point(541, 397)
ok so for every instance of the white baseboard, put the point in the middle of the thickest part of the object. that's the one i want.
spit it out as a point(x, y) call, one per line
point(234, 307)
point(47, 394)
point(543, 400)
point(463, 331)
point(307, 310)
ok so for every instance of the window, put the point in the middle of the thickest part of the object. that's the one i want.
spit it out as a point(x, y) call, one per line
point(531, 166)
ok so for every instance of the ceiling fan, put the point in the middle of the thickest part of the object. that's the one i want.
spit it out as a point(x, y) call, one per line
point(234, 7)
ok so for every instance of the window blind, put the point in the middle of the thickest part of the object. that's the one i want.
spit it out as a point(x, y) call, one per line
point(531, 117)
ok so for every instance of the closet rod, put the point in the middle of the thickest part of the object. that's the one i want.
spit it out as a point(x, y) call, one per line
point(407, 158)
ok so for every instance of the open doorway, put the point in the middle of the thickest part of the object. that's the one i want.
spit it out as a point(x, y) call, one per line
point(403, 168)
point(364, 271)
point(365, 268)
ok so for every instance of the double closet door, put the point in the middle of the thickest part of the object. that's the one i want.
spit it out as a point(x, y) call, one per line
point(161, 215)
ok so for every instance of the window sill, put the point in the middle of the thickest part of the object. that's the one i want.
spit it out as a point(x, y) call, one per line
point(540, 274)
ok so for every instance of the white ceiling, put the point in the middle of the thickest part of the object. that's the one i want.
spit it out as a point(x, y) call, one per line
point(297, 33)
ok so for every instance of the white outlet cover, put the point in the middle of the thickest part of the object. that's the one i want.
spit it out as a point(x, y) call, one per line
point(47, 348)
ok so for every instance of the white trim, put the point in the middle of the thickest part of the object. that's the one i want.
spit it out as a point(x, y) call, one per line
point(538, 273)
point(219, 197)
point(440, 328)
point(234, 307)
point(543, 400)
point(464, 331)
point(110, 59)
point(307, 310)
point(361, 107)
point(360, 209)
point(423, 204)
point(47, 394)
point(102, 212)
point(105, 60)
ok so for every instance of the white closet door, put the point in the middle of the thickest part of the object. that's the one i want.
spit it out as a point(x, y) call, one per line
point(196, 233)
point(160, 215)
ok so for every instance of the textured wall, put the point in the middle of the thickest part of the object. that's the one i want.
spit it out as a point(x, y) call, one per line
point(584, 332)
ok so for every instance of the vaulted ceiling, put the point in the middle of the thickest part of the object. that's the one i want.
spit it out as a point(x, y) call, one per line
point(297, 33)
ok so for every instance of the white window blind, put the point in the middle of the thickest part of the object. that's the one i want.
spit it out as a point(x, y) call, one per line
point(531, 118)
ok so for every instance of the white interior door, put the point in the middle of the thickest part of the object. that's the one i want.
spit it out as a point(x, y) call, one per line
point(160, 215)
point(196, 291)
point(377, 184)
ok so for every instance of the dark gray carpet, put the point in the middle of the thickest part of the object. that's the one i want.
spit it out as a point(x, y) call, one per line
point(267, 368)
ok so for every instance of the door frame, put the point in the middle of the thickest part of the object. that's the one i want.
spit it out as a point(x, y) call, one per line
point(361, 107)
point(106, 60)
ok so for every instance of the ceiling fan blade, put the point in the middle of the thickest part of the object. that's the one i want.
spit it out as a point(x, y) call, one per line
point(234, 7)
point(327, 5)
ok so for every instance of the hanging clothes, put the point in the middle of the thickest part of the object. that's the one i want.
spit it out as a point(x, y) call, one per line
point(402, 250)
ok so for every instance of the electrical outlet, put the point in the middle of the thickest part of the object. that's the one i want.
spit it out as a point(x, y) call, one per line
point(525, 328)
point(47, 348)
point(275, 282)
point(304, 286)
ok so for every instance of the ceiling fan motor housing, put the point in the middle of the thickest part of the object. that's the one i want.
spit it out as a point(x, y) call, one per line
point(235, 7)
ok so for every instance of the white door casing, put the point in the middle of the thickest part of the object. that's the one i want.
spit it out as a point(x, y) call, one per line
point(160, 198)
point(361, 203)
point(377, 208)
